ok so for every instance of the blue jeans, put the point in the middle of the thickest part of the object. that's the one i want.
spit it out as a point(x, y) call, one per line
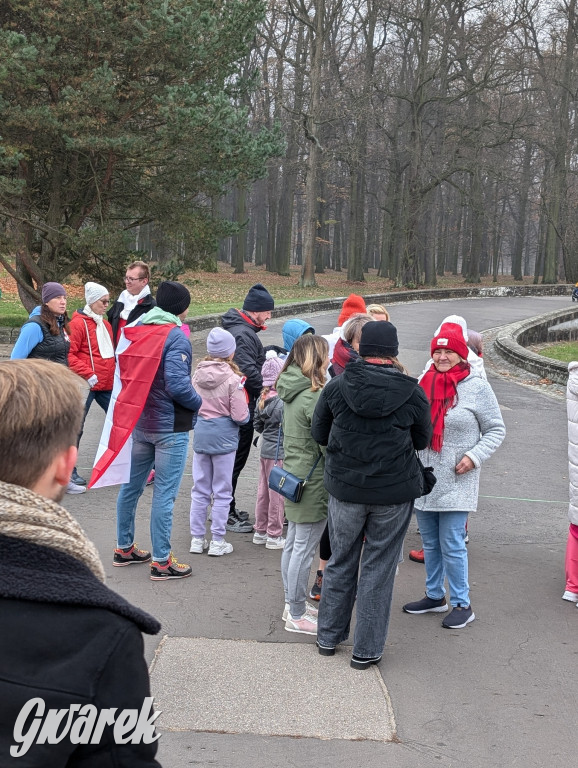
point(167, 452)
point(445, 554)
point(383, 528)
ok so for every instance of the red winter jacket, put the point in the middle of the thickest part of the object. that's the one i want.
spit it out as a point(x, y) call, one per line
point(79, 355)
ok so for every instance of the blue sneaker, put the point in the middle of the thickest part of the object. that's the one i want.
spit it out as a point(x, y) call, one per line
point(426, 605)
point(459, 617)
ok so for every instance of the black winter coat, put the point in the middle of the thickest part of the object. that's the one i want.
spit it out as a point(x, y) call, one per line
point(68, 639)
point(141, 309)
point(372, 418)
point(249, 354)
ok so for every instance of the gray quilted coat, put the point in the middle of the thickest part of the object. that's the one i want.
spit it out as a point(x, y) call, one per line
point(473, 427)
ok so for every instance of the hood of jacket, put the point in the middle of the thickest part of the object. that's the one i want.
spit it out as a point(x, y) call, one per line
point(234, 317)
point(291, 383)
point(213, 373)
point(35, 311)
point(292, 330)
point(157, 316)
point(374, 391)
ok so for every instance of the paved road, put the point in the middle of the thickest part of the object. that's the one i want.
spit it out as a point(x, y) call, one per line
point(234, 687)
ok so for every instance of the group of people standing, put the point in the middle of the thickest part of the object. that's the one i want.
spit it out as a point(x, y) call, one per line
point(340, 410)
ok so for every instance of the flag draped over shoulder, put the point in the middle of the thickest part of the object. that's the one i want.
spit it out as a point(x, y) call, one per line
point(138, 356)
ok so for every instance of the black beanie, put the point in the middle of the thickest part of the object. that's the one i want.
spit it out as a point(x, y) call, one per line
point(378, 339)
point(258, 299)
point(173, 297)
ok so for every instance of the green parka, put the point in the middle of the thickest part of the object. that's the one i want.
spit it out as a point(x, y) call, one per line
point(300, 448)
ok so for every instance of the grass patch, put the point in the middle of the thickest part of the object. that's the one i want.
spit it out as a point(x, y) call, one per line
point(565, 351)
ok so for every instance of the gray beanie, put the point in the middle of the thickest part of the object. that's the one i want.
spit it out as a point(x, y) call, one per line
point(52, 291)
point(221, 343)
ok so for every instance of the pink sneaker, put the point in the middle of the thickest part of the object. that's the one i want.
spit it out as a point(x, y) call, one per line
point(306, 624)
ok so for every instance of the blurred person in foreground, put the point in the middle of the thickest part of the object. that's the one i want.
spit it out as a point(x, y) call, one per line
point(71, 640)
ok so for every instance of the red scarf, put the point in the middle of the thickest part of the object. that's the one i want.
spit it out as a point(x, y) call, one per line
point(441, 390)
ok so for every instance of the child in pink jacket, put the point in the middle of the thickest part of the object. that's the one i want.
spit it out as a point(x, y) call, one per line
point(221, 385)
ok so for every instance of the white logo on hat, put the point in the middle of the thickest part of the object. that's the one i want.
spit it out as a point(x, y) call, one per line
point(442, 342)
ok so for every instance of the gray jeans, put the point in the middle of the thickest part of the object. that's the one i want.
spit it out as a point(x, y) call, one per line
point(300, 545)
point(383, 528)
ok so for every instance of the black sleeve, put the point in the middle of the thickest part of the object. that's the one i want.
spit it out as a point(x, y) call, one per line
point(124, 684)
point(421, 429)
point(322, 420)
point(247, 357)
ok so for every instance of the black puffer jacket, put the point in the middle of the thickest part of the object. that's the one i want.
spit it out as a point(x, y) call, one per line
point(68, 639)
point(249, 354)
point(371, 418)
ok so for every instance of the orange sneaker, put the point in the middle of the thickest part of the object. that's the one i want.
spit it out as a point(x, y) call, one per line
point(417, 555)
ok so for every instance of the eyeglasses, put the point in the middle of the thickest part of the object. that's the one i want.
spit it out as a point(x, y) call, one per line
point(105, 302)
point(133, 279)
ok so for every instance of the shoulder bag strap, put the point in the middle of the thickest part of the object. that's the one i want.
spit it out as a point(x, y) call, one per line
point(89, 345)
point(312, 468)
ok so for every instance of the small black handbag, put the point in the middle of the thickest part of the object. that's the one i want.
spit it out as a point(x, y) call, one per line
point(283, 482)
point(428, 477)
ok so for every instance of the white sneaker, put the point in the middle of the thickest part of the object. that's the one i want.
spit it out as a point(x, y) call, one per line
point(259, 538)
point(275, 542)
point(309, 610)
point(219, 548)
point(74, 488)
point(198, 544)
point(570, 596)
point(305, 625)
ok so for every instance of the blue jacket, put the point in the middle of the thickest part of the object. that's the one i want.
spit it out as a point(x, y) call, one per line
point(172, 403)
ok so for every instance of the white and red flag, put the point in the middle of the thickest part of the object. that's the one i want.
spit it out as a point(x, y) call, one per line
point(138, 356)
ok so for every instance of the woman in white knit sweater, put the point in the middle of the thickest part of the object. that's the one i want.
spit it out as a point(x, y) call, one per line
point(467, 429)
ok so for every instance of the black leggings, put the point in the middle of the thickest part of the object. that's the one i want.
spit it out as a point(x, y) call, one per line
point(325, 545)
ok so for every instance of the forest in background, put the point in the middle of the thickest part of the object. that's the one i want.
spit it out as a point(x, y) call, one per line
point(416, 138)
point(422, 137)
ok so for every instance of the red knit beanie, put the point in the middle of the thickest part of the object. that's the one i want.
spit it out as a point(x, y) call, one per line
point(351, 306)
point(450, 337)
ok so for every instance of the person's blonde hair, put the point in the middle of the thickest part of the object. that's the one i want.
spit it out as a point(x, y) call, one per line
point(41, 408)
point(353, 326)
point(377, 309)
point(232, 365)
point(310, 353)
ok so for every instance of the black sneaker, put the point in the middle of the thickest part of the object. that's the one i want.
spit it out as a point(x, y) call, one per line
point(129, 556)
point(426, 605)
point(76, 478)
point(241, 514)
point(325, 650)
point(358, 662)
point(315, 593)
point(235, 525)
point(459, 617)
